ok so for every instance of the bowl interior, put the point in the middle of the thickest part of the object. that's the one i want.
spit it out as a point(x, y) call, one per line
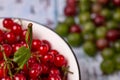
point(42, 32)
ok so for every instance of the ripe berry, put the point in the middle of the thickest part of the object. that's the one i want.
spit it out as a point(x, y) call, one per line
point(48, 58)
point(101, 44)
point(75, 29)
point(99, 20)
point(43, 49)
point(8, 23)
point(6, 78)
point(35, 44)
point(35, 71)
point(10, 38)
point(112, 35)
point(70, 10)
point(19, 77)
point(15, 47)
point(16, 29)
point(53, 52)
point(116, 2)
point(7, 49)
point(54, 71)
point(60, 60)
point(54, 77)
point(23, 34)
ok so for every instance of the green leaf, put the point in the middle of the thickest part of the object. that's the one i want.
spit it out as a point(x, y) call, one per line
point(28, 36)
point(21, 56)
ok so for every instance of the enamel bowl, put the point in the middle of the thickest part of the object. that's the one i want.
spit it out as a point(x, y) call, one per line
point(43, 32)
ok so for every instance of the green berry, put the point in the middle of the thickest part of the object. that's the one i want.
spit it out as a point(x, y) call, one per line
point(108, 53)
point(84, 17)
point(100, 32)
point(117, 46)
point(107, 67)
point(62, 29)
point(88, 27)
point(117, 62)
point(111, 25)
point(69, 21)
point(75, 39)
point(89, 48)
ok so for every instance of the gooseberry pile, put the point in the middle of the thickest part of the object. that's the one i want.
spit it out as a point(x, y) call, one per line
point(96, 25)
point(24, 58)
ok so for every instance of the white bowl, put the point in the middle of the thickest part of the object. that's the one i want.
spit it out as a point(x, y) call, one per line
point(43, 32)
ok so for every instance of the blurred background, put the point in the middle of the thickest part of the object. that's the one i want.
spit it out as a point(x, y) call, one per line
point(91, 27)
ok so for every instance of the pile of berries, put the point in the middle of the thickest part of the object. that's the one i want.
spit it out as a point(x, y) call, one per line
point(96, 25)
point(44, 63)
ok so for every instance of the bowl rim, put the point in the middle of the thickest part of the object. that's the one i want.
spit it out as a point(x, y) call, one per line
point(57, 35)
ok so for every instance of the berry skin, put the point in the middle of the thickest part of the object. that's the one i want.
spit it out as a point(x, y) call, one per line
point(7, 49)
point(35, 71)
point(48, 58)
point(54, 77)
point(15, 47)
point(102, 43)
point(6, 78)
point(16, 29)
point(35, 44)
point(75, 29)
point(43, 49)
point(45, 69)
point(32, 61)
point(112, 35)
point(60, 60)
point(8, 23)
point(99, 20)
point(70, 10)
point(19, 77)
point(23, 34)
point(54, 71)
point(53, 52)
point(10, 37)
point(3, 72)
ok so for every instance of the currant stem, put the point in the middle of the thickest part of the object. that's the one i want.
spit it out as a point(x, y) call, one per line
point(8, 66)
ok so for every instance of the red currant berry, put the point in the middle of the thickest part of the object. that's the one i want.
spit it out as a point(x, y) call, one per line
point(8, 23)
point(53, 52)
point(45, 69)
point(7, 49)
point(15, 47)
point(60, 60)
point(32, 61)
point(35, 44)
point(43, 49)
point(23, 34)
point(54, 77)
point(54, 71)
point(35, 71)
point(10, 37)
point(6, 78)
point(47, 43)
point(19, 77)
point(16, 29)
point(3, 72)
point(48, 58)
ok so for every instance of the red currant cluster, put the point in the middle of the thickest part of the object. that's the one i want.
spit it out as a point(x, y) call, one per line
point(44, 63)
